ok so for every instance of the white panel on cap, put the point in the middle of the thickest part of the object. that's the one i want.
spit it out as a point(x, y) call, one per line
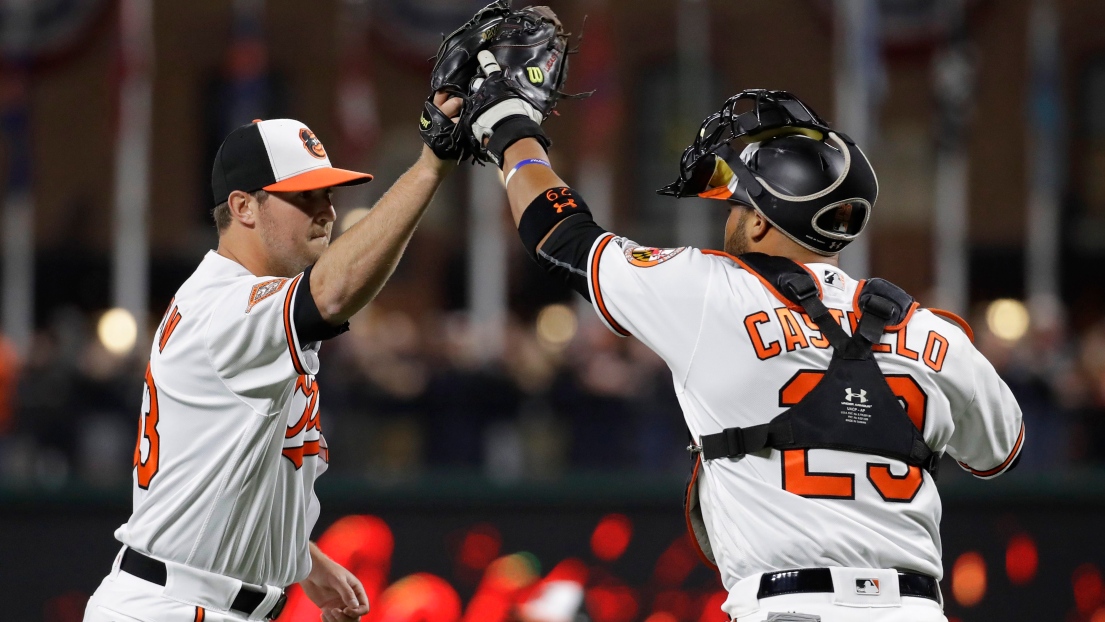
point(288, 154)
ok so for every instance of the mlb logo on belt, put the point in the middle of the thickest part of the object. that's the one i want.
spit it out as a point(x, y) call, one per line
point(869, 587)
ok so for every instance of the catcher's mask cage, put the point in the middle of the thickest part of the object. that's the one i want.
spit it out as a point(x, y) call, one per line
point(813, 184)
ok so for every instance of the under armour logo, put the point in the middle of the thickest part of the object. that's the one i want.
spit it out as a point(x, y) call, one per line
point(862, 395)
point(560, 206)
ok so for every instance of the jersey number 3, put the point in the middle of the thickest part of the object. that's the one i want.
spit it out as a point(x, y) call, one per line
point(147, 435)
point(798, 479)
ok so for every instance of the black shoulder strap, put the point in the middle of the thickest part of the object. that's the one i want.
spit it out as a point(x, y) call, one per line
point(794, 283)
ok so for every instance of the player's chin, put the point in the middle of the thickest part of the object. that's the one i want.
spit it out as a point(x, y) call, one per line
point(317, 245)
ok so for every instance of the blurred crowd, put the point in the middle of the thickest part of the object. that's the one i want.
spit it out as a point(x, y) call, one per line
point(399, 397)
point(404, 396)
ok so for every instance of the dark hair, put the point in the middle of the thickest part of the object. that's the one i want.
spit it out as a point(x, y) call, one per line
point(221, 213)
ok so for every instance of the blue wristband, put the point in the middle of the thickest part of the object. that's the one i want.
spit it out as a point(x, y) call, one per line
point(523, 163)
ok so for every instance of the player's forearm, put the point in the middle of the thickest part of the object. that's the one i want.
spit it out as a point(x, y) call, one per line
point(529, 181)
point(355, 267)
point(560, 246)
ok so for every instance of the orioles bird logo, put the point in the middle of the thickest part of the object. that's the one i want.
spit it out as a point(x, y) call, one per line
point(312, 144)
point(648, 256)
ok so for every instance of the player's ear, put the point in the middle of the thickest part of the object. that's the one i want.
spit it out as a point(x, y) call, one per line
point(243, 208)
point(757, 226)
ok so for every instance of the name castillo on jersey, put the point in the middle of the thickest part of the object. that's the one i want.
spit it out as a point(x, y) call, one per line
point(800, 332)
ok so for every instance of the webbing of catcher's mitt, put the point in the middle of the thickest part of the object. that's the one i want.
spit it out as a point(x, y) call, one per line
point(531, 47)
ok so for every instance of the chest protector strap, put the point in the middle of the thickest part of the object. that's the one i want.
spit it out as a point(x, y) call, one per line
point(851, 408)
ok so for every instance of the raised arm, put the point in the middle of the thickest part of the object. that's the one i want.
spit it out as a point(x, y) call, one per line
point(355, 267)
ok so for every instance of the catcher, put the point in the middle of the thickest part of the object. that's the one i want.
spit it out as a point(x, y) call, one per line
point(819, 406)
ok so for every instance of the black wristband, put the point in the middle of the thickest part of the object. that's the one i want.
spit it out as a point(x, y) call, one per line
point(544, 212)
point(510, 131)
point(309, 325)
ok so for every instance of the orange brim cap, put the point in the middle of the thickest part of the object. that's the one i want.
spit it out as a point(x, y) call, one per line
point(316, 179)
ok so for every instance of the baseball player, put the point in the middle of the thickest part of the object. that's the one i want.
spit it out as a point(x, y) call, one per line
point(818, 405)
point(230, 434)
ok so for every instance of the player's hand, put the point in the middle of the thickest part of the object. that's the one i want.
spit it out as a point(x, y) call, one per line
point(438, 126)
point(335, 590)
point(449, 105)
point(499, 97)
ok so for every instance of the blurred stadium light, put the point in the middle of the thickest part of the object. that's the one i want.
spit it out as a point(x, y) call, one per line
point(117, 330)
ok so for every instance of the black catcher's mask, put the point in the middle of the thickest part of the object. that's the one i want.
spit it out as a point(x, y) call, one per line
point(771, 152)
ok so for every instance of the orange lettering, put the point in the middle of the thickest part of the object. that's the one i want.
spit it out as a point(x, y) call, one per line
point(310, 419)
point(892, 487)
point(900, 348)
point(819, 341)
point(853, 321)
point(167, 330)
point(309, 415)
point(912, 396)
point(799, 386)
point(798, 480)
point(147, 428)
point(763, 351)
point(936, 348)
point(792, 332)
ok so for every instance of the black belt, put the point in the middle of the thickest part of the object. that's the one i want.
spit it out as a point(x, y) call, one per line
point(149, 569)
point(809, 580)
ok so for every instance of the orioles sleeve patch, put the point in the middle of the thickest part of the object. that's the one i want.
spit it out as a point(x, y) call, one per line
point(263, 290)
point(648, 256)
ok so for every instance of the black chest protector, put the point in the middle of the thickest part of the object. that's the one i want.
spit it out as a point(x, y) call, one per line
point(851, 408)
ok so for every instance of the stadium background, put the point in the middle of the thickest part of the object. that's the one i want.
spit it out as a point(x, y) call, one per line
point(488, 439)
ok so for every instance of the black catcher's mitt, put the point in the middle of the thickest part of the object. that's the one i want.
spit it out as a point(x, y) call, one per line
point(530, 46)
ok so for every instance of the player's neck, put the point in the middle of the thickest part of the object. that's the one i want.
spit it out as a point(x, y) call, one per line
point(775, 243)
point(238, 248)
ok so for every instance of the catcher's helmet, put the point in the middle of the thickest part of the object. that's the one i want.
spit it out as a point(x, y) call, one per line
point(813, 184)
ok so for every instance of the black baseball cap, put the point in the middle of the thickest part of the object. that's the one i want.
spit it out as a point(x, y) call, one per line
point(280, 155)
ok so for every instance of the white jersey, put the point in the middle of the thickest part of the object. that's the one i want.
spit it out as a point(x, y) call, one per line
point(739, 357)
point(230, 441)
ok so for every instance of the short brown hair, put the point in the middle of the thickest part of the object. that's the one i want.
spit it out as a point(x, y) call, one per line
point(221, 213)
